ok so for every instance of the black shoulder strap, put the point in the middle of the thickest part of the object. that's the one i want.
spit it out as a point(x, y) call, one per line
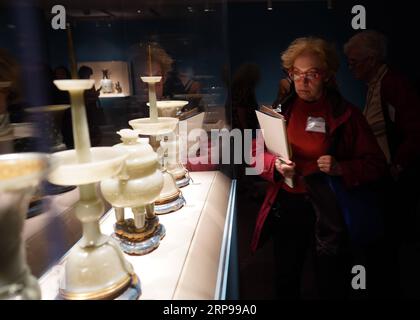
point(339, 107)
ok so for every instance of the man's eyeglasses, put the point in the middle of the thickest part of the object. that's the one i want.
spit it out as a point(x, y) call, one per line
point(296, 75)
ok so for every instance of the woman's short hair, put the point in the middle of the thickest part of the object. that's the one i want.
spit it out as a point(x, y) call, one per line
point(371, 42)
point(247, 75)
point(320, 47)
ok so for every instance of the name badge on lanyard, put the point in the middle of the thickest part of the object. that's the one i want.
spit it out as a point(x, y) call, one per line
point(315, 124)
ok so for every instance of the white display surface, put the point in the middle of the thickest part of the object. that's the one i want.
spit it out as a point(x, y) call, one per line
point(175, 264)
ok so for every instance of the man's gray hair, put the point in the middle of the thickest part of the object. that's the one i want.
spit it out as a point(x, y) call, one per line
point(372, 42)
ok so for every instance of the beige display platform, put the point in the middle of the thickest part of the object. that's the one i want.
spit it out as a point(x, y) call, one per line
point(191, 261)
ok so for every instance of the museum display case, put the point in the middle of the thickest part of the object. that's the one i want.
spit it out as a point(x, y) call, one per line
point(131, 201)
point(143, 113)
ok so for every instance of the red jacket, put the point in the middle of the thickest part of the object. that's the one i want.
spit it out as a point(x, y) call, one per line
point(358, 153)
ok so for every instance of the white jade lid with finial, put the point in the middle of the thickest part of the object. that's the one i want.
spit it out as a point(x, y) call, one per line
point(132, 144)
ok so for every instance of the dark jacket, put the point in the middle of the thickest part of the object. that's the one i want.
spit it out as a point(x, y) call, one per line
point(403, 130)
point(357, 152)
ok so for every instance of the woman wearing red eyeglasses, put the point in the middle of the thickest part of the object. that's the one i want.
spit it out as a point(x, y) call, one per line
point(328, 137)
